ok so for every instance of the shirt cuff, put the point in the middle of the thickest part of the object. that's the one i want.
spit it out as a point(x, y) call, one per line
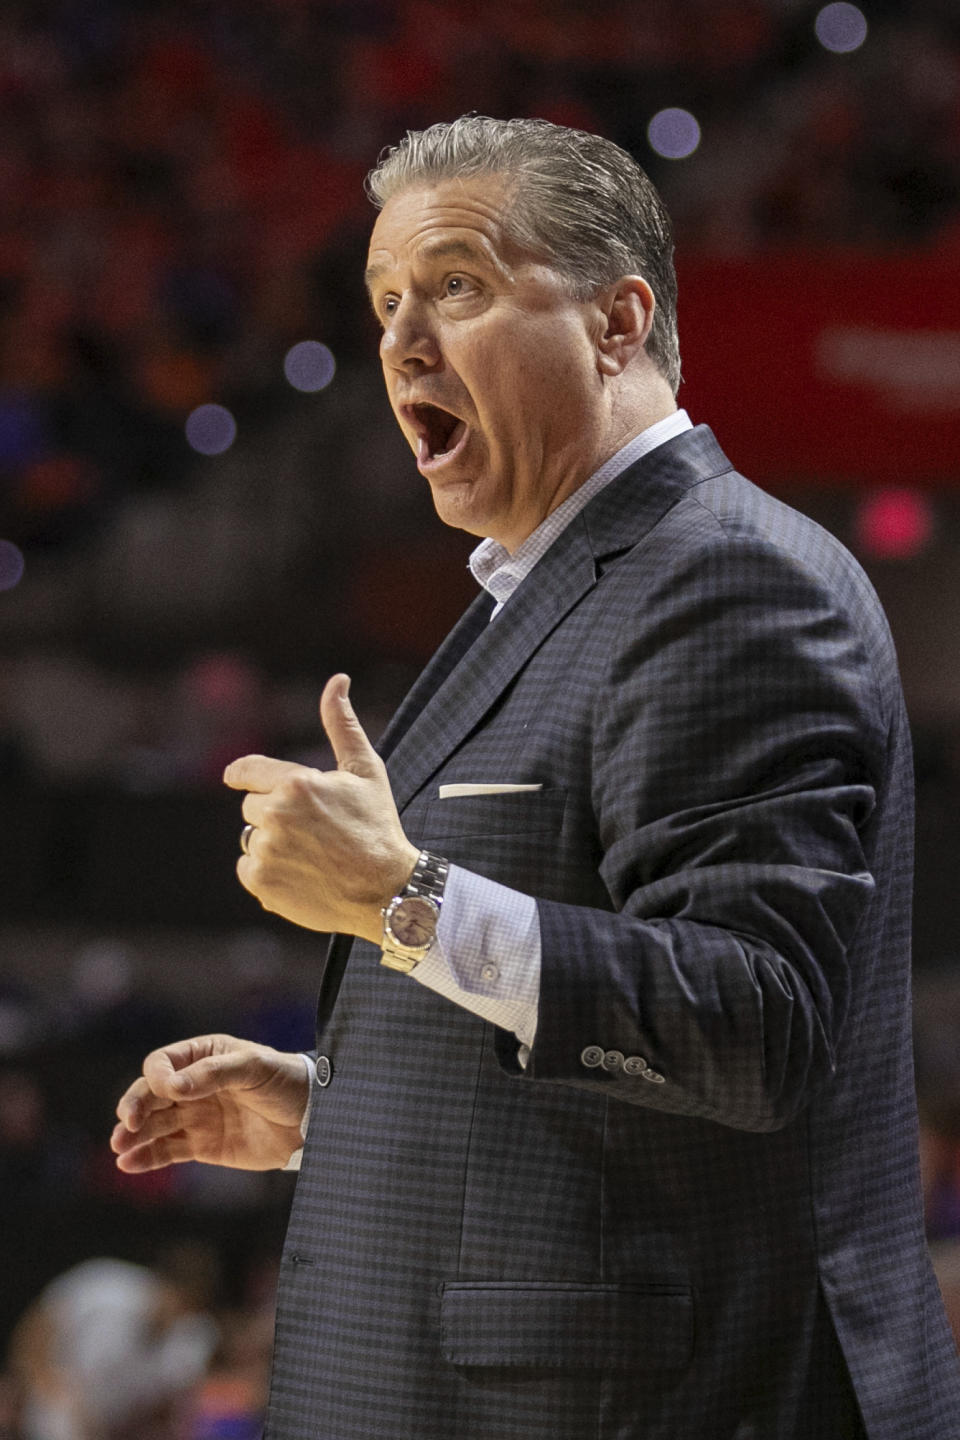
point(486, 957)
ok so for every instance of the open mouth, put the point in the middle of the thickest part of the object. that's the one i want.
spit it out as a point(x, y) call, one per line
point(439, 433)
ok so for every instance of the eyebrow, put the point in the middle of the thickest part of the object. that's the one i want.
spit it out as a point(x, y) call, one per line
point(434, 250)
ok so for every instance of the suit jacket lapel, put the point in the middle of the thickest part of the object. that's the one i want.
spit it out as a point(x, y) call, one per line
point(472, 623)
point(480, 658)
point(504, 645)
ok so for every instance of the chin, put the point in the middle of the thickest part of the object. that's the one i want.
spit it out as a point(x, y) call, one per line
point(456, 505)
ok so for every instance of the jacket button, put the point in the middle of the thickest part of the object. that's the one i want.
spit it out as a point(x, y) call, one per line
point(634, 1065)
point(653, 1075)
point(613, 1060)
point(324, 1071)
point(592, 1056)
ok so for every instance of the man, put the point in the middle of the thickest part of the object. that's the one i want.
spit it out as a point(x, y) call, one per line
point(629, 1150)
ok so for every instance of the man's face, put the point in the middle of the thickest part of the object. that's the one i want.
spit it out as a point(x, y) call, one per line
point(490, 367)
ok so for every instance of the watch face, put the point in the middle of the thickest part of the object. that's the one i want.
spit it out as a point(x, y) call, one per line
point(413, 921)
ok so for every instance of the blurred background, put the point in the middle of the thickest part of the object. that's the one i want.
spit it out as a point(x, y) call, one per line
point(205, 510)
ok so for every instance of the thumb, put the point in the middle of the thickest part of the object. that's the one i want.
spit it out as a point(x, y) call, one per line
point(351, 748)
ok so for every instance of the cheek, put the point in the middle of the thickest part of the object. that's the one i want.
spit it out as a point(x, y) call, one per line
point(525, 387)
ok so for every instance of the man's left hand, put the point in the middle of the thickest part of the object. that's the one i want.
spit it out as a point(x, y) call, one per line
point(327, 850)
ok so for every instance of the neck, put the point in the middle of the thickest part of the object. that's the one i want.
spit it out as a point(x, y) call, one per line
point(634, 410)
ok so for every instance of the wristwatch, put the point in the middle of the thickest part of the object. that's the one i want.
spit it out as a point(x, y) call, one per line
point(410, 920)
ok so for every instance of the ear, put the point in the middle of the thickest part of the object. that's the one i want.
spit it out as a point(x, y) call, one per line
point(627, 316)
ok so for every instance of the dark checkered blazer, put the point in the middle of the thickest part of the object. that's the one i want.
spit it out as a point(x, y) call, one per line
point(715, 1233)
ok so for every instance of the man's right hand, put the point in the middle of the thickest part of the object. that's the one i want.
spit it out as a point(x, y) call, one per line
point(213, 1098)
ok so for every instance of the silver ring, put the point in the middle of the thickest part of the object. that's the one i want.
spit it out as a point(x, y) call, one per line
point(245, 834)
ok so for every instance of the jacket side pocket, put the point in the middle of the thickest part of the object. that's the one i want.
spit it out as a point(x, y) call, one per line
point(641, 1326)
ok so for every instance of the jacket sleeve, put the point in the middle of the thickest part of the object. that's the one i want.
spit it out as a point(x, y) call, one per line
point(739, 748)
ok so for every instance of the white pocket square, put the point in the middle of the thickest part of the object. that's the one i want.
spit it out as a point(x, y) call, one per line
point(450, 792)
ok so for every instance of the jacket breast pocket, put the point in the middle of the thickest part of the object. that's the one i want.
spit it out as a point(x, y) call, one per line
point(641, 1327)
point(517, 812)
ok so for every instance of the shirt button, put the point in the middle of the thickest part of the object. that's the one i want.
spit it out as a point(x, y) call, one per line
point(489, 972)
point(324, 1071)
point(592, 1056)
point(634, 1065)
point(654, 1076)
point(612, 1060)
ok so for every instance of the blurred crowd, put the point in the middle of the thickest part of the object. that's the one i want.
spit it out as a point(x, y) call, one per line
point(117, 1350)
point(132, 1307)
point(182, 203)
point(183, 185)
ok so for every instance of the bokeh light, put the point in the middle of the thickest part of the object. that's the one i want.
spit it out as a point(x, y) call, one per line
point(23, 429)
point(841, 27)
point(12, 565)
point(211, 429)
point(894, 524)
point(673, 133)
point(309, 366)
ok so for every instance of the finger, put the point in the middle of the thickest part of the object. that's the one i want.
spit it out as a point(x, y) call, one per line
point(170, 1150)
point(259, 773)
point(352, 750)
point(137, 1103)
point(158, 1125)
point(253, 809)
point(121, 1138)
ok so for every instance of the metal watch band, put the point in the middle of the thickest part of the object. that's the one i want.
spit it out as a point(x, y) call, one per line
point(427, 882)
point(429, 877)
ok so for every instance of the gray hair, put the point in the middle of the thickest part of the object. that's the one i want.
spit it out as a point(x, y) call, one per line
point(579, 201)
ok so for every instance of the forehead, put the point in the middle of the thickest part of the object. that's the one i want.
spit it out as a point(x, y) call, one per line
point(452, 218)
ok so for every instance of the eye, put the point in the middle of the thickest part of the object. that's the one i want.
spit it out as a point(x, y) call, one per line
point(456, 285)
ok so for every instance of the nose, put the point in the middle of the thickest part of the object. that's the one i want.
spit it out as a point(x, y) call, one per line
point(408, 342)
